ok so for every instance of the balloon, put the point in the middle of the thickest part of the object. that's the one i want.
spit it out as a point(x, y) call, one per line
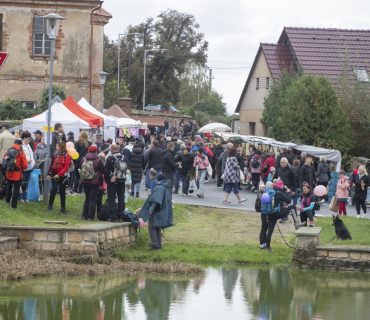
point(265, 198)
point(142, 223)
point(69, 145)
point(72, 152)
point(319, 191)
point(75, 156)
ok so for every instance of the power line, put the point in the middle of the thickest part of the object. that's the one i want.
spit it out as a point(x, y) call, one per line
point(231, 68)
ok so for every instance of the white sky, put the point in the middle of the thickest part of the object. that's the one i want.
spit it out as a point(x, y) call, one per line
point(235, 28)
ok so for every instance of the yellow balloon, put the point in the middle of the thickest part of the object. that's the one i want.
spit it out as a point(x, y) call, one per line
point(75, 156)
point(72, 152)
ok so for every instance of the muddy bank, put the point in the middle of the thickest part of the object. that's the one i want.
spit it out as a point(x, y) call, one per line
point(23, 264)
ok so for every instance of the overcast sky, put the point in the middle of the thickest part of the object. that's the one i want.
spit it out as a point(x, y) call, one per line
point(235, 28)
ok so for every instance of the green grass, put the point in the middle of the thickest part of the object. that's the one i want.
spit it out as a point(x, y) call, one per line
point(211, 236)
point(358, 228)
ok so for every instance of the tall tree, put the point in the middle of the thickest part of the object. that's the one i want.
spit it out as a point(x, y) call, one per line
point(304, 108)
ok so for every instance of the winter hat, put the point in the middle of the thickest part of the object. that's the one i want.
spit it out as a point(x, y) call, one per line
point(269, 185)
point(105, 148)
point(279, 184)
point(92, 149)
point(195, 148)
point(161, 177)
point(272, 169)
point(201, 150)
point(99, 135)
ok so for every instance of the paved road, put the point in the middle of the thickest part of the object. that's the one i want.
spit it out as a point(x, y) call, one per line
point(213, 197)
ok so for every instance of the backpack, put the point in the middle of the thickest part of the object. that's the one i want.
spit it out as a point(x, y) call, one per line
point(258, 203)
point(87, 170)
point(104, 214)
point(269, 207)
point(129, 216)
point(255, 163)
point(120, 169)
point(71, 167)
point(9, 162)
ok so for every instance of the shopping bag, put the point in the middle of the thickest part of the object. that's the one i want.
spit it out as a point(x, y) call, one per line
point(192, 186)
point(334, 204)
point(209, 171)
point(241, 175)
point(33, 193)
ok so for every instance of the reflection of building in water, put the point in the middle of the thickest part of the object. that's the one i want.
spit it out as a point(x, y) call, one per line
point(229, 279)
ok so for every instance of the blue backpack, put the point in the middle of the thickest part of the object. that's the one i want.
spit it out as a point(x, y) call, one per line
point(268, 208)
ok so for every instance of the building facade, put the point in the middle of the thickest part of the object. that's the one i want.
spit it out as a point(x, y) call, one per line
point(23, 35)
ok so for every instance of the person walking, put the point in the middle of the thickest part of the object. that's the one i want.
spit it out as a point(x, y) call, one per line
point(58, 171)
point(82, 146)
point(215, 152)
point(102, 188)
point(232, 176)
point(268, 163)
point(168, 164)
point(158, 210)
point(308, 200)
point(307, 173)
point(15, 176)
point(201, 163)
point(115, 189)
point(220, 154)
point(153, 158)
point(282, 210)
point(178, 158)
point(92, 171)
point(186, 166)
point(6, 142)
point(26, 137)
point(323, 174)
point(342, 193)
point(361, 183)
point(255, 167)
point(137, 165)
point(127, 150)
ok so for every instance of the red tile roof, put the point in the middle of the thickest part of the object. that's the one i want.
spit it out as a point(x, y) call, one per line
point(103, 13)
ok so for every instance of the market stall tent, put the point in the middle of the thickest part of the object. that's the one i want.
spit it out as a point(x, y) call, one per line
point(110, 123)
point(61, 114)
point(215, 126)
point(117, 112)
point(128, 123)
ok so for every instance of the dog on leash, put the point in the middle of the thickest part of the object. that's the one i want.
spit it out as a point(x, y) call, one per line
point(341, 230)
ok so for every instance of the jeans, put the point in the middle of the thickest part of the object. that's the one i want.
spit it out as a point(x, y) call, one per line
point(177, 180)
point(99, 202)
point(61, 183)
point(289, 195)
point(295, 197)
point(9, 189)
point(137, 187)
point(231, 186)
point(264, 178)
point(147, 178)
point(256, 180)
point(307, 214)
point(185, 183)
point(91, 192)
point(201, 176)
point(26, 178)
point(213, 165)
point(77, 186)
point(359, 204)
point(155, 234)
point(219, 174)
point(116, 190)
point(71, 179)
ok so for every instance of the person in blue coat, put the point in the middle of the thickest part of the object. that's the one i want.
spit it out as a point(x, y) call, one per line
point(158, 210)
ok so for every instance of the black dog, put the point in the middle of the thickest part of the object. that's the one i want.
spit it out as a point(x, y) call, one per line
point(341, 230)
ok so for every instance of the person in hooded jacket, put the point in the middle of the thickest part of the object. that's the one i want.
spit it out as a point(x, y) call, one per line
point(127, 150)
point(270, 163)
point(361, 183)
point(342, 192)
point(269, 220)
point(81, 145)
point(168, 164)
point(255, 167)
point(307, 209)
point(58, 172)
point(137, 165)
point(323, 175)
point(201, 161)
point(186, 166)
point(178, 159)
point(15, 177)
point(91, 187)
point(307, 173)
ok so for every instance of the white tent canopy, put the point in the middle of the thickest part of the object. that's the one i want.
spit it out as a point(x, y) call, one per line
point(128, 123)
point(110, 123)
point(215, 126)
point(59, 113)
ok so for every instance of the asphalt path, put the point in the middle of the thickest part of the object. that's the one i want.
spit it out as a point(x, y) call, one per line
point(214, 196)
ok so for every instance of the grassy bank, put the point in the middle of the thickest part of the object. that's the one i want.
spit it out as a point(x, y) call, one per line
point(211, 236)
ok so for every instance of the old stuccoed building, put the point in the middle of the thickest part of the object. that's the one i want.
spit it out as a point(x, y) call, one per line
point(23, 35)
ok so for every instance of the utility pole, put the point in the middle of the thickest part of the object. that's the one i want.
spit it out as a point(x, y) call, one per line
point(129, 66)
point(210, 82)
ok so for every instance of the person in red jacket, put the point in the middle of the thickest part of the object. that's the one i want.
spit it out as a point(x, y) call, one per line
point(270, 161)
point(59, 172)
point(15, 177)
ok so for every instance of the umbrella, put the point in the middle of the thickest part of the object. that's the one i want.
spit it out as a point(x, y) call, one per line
point(211, 127)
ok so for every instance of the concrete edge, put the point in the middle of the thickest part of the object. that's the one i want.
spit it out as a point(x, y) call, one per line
point(83, 229)
point(343, 249)
point(307, 231)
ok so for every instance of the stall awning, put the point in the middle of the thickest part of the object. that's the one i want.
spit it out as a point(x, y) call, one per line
point(92, 119)
point(152, 122)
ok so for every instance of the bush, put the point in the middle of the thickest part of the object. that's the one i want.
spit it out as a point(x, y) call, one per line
point(13, 110)
point(43, 102)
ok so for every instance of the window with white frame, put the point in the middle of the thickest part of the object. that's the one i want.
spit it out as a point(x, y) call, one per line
point(29, 104)
point(41, 41)
point(361, 74)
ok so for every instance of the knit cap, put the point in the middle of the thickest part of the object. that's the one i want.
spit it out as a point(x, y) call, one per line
point(269, 185)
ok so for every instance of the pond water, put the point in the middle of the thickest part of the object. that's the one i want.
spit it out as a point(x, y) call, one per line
point(226, 293)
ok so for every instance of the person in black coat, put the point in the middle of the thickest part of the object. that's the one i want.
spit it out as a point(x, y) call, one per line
point(307, 173)
point(186, 166)
point(57, 136)
point(168, 164)
point(361, 183)
point(137, 165)
point(82, 146)
point(154, 157)
point(284, 154)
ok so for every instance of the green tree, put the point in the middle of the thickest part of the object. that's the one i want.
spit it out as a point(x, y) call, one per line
point(304, 108)
point(43, 102)
point(111, 95)
point(13, 110)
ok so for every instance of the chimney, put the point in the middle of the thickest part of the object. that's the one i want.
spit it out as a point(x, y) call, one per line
point(126, 105)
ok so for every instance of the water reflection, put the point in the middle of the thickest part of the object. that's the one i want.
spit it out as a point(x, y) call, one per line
point(228, 293)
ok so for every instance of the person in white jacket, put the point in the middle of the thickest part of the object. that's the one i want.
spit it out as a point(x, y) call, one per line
point(26, 137)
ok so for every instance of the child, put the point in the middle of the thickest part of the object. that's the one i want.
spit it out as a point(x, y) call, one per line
point(102, 188)
point(342, 192)
point(271, 174)
point(257, 204)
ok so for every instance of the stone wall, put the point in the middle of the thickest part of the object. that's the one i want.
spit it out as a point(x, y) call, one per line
point(100, 238)
point(8, 244)
point(308, 253)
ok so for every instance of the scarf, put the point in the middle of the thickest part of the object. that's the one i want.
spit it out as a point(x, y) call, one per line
point(360, 176)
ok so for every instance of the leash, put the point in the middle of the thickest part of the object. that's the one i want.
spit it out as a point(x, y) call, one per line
point(331, 239)
point(283, 237)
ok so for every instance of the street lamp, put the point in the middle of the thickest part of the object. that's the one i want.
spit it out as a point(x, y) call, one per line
point(119, 56)
point(145, 71)
point(52, 28)
point(102, 77)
